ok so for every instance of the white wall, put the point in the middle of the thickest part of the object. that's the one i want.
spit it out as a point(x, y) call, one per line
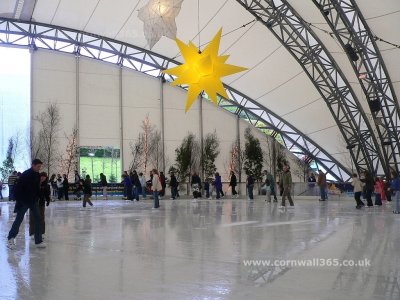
point(54, 81)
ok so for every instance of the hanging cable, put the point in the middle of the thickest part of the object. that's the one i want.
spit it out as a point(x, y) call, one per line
point(256, 65)
point(386, 42)
point(384, 15)
point(55, 12)
point(198, 22)
point(91, 15)
point(301, 107)
point(280, 85)
point(127, 19)
point(209, 21)
point(240, 27)
point(240, 37)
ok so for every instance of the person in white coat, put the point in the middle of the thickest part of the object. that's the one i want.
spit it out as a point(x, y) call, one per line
point(357, 184)
point(156, 187)
point(142, 179)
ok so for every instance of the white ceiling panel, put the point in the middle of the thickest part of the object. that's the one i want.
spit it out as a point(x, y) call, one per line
point(272, 78)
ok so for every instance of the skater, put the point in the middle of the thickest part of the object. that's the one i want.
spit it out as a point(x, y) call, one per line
point(163, 181)
point(136, 185)
point(125, 195)
point(196, 185)
point(44, 200)
point(369, 187)
point(286, 180)
point(233, 184)
point(77, 177)
point(87, 191)
point(142, 180)
point(104, 184)
point(12, 180)
point(79, 189)
point(267, 187)
point(218, 186)
point(269, 178)
point(382, 184)
point(250, 186)
point(378, 192)
point(388, 191)
point(207, 188)
point(322, 185)
point(1, 190)
point(27, 192)
point(173, 183)
point(53, 187)
point(272, 186)
point(65, 187)
point(60, 187)
point(356, 183)
point(127, 187)
point(395, 187)
point(156, 187)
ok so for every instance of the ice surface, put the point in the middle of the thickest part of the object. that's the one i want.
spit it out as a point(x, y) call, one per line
point(124, 250)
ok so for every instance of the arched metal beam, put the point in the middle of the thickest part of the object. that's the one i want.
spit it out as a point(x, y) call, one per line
point(350, 28)
point(66, 40)
point(304, 45)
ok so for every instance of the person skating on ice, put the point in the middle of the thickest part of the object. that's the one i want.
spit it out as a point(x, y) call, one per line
point(27, 193)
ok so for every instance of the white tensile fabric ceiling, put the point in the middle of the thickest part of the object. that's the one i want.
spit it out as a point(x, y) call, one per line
point(274, 78)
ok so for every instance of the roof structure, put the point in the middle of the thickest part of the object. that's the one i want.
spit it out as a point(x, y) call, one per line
point(303, 80)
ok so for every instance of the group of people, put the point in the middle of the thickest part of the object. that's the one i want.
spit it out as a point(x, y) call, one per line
point(285, 185)
point(32, 191)
point(383, 190)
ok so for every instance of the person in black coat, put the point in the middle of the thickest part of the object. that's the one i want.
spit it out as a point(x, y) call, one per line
point(27, 193)
point(173, 183)
point(87, 191)
point(163, 184)
point(233, 183)
point(44, 200)
point(65, 187)
point(196, 185)
point(369, 187)
point(104, 184)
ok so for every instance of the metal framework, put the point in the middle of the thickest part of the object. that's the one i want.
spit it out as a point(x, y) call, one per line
point(304, 45)
point(351, 29)
point(37, 35)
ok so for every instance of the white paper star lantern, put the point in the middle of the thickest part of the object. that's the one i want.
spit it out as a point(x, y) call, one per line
point(158, 17)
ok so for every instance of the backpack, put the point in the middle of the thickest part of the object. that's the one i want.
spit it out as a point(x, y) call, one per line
point(267, 182)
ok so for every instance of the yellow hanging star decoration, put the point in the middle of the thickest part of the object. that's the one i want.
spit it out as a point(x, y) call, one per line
point(202, 71)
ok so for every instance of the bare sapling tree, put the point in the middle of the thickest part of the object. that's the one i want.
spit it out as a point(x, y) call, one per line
point(33, 144)
point(236, 160)
point(156, 151)
point(69, 160)
point(137, 149)
point(49, 126)
point(302, 167)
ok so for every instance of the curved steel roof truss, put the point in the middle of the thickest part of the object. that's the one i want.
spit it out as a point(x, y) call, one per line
point(351, 29)
point(304, 45)
point(50, 37)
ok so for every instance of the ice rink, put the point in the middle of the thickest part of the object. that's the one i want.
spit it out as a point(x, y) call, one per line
point(124, 250)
